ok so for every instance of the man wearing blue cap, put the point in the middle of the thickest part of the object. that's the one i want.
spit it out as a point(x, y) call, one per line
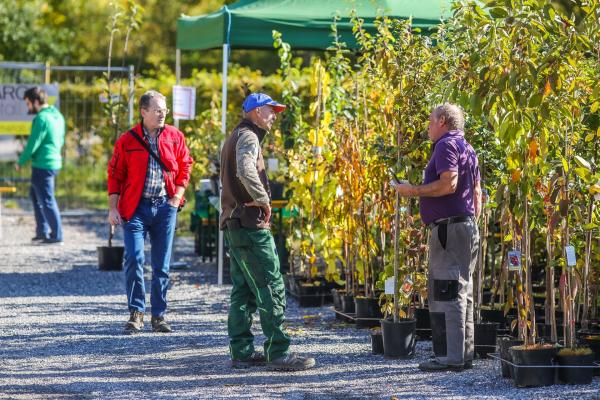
point(254, 267)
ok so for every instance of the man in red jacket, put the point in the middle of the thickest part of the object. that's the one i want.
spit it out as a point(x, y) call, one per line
point(145, 190)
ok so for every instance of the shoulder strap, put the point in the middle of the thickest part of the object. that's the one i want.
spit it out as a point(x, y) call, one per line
point(149, 150)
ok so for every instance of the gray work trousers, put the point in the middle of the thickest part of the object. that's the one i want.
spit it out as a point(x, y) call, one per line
point(450, 290)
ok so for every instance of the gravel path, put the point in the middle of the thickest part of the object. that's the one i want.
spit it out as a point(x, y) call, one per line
point(60, 337)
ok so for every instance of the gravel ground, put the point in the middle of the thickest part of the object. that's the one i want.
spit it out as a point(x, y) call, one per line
point(61, 321)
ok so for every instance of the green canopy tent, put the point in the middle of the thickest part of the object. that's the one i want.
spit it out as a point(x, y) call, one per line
point(305, 24)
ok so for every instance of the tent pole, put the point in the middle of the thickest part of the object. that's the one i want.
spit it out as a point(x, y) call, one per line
point(177, 77)
point(223, 131)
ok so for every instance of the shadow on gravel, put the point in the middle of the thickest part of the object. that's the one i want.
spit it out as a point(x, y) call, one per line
point(80, 280)
point(101, 340)
point(166, 377)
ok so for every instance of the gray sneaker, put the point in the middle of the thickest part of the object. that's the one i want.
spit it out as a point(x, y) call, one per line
point(135, 323)
point(160, 325)
point(255, 360)
point(291, 362)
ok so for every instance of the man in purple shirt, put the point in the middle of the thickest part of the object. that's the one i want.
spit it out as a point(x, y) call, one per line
point(450, 204)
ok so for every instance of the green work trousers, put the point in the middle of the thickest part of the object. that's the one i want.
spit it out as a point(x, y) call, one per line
point(257, 284)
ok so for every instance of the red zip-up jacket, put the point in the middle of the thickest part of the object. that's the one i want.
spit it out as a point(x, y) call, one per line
point(129, 163)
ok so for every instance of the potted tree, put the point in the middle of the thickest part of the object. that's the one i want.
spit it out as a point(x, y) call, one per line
point(399, 325)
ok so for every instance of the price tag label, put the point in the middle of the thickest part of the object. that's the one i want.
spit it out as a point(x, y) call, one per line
point(514, 260)
point(389, 286)
point(407, 286)
point(571, 258)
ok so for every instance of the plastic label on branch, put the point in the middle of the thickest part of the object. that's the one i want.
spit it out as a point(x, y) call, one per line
point(184, 102)
point(407, 286)
point(514, 260)
point(389, 285)
point(14, 117)
point(571, 258)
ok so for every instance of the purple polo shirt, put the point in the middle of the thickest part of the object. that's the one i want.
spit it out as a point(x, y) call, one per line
point(451, 153)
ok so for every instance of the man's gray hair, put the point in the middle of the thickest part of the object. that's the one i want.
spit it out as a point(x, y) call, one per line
point(148, 96)
point(453, 116)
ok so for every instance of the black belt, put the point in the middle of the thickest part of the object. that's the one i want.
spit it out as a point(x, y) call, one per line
point(443, 226)
point(451, 220)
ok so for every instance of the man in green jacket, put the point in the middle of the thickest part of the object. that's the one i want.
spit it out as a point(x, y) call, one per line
point(43, 148)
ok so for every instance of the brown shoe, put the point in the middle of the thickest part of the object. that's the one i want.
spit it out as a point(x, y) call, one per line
point(135, 323)
point(160, 325)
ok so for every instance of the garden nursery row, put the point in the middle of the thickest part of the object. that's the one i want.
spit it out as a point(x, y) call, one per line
point(526, 77)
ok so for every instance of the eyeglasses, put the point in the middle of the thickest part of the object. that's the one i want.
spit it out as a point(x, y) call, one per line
point(160, 111)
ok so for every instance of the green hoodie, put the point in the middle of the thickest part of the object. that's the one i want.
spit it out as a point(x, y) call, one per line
point(46, 140)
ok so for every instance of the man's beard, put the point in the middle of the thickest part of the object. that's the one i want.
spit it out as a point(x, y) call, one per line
point(32, 111)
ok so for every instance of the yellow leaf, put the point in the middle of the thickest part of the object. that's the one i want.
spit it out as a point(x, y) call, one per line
point(314, 270)
point(533, 146)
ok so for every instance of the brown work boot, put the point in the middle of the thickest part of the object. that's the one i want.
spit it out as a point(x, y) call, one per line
point(160, 325)
point(135, 323)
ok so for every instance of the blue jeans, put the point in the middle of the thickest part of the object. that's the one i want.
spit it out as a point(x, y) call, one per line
point(45, 209)
point(157, 218)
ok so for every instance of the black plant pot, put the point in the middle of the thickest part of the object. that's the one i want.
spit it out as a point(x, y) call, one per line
point(367, 308)
point(110, 258)
point(593, 344)
point(276, 190)
point(576, 376)
point(423, 323)
point(377, 343)
point(485, 338)
point(504, 345)
point(399, 338)
point(528, 375)
point(348, 305)
point(494, 316)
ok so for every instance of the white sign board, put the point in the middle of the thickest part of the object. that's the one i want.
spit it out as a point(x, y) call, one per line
point(184, 102)
point(14, 117)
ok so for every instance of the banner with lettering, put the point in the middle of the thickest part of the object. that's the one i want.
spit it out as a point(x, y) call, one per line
point(14, 119)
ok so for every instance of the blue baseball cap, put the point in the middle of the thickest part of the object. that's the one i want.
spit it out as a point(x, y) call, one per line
point(260, 99)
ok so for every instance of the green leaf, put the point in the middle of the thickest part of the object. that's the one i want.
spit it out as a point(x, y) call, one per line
point(498, 12)
point(535, 100)
point(583, 173)
point(582, 163)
